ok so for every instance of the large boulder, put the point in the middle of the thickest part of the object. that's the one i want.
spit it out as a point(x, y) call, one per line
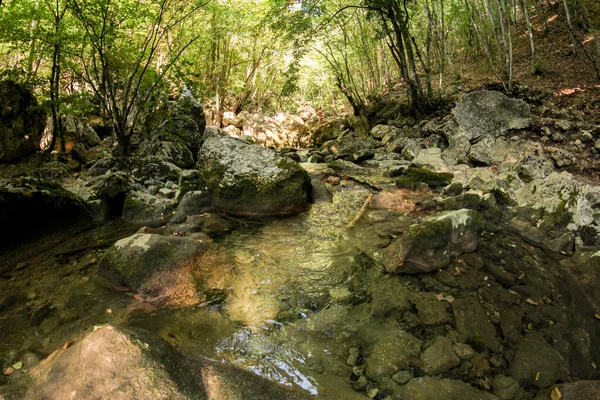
point(172, 152)
point(22, 121)
point(251, 181)
point(487, 113)
point(158, 267)
point(119, 363)
point(431, 244)
point(76, 129)
point(182, 121)
point(30, 206)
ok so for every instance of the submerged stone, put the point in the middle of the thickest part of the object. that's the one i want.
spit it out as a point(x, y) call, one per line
point(427, 388)
point(151, 264)
point(431, 244)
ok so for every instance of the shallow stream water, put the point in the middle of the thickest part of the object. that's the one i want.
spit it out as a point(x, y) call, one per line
point(287, 299)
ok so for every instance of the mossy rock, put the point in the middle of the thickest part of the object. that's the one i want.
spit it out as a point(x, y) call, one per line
point(412, 177)
point(251, 181)
point(149, 263)
point(431, 244)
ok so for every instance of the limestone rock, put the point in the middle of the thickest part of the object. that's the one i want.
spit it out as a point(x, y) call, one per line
point(484, 113)
point(431, 159)
point(572, 391)
point(472, 321)
point(439, 357)
point(147, 210)
point(505, 387)
point(119, 363)
point(430, 245)
point(172, 152)
point(427, 388)
point(22, 122)
point(154, 265)
point(381, 131)
point(535, 362)
point(252, 181)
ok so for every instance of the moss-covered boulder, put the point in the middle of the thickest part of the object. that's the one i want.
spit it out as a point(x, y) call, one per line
point(431, 244)
point(22, 121)
point(155, 266)
point(412, 177)
point(251, 181)
point(30, 206)
point(182, 121)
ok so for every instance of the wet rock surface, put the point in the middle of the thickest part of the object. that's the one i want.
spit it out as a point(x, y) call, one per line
point(427, 265)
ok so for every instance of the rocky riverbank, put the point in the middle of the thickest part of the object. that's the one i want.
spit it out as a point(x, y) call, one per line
point(451, 258)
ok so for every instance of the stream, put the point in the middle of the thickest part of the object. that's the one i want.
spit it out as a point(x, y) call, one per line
point(291, 299)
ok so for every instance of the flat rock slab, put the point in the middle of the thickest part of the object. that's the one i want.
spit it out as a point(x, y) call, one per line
point(122, 364)
point(484, 113)
point(252, 181)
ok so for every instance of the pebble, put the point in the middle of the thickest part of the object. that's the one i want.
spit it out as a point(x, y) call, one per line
point(402, 377)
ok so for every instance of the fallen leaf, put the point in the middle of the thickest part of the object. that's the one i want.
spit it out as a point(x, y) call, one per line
point(537, 376)
point(17, 365)
point(532, 302)
point(67, 345)
point(556, 394)
point(8, 371)
point(597, 316)
point(441, 297)
point(108, 311)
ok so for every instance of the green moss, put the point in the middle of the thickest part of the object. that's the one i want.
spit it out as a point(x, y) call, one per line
point(411, 177)
point(428, 234)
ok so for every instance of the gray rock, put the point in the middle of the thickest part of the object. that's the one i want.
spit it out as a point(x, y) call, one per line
point(431, 159)
point(22, 122)
point(427, 388)
point(535, 362)
point(472, 321)
point(119, 363)
point(411, 150)
point(402, 377)
point(457, 151)
point(181, 121)
point(505, 387)
point(52, 171)
point(193, 203)
point(155, 266)
point(463, 351)
point(581, 390)
point(189, 181)
point(430, 310)
point(486, 113)
point(389, 351)
point(439, 357)
point(563, 198)
point(534, 166)
point(388, 297)
point(111, 187)
point(147, 210)
point(172, 152)
point(431, 244)
point(252, 181)
point(346, 167)
point(84, 133)
point(381, 131)
point(158, 169)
